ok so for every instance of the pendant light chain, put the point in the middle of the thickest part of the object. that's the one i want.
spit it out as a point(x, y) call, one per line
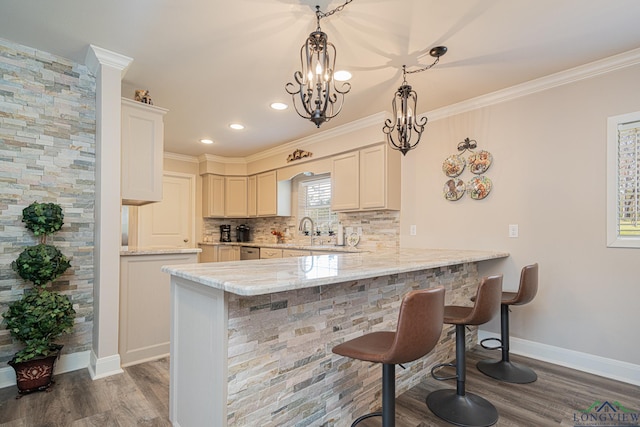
point(321, 15)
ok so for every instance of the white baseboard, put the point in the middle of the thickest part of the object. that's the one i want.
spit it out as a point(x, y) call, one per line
point(66, 363)
point(602, 366)
point(104, 367)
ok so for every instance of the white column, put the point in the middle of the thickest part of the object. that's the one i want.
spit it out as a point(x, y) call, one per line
point(109, 68)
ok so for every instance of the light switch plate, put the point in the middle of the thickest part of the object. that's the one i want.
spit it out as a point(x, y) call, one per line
point(412, 230)
point(513, 230)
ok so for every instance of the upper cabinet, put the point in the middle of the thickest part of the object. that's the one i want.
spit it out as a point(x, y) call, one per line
point(142, 142)
point(367, 179)
point(224, 196)
point(273, 197)
point(252, 196)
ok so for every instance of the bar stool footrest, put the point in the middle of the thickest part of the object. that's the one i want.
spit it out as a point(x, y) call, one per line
point(365, 416)
point(443, 378)
point(486, 347)
point(507, 371)
point(468, 410)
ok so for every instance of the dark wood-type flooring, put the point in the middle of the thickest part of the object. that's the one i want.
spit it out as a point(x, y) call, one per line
point(140, 397)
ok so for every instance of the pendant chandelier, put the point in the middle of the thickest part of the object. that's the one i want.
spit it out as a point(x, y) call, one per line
point(405, 129)
point(315, 94)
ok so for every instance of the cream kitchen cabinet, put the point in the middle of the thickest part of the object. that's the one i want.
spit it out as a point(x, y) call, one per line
point(208, 254)
point(367, 179)
point(269, 253)
point(142, 147)
point(273, 197)
point(235, 196)
point(228, 253)
point(252, 196)
point(224, 196)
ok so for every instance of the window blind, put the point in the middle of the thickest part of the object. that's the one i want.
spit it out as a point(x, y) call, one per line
point(629, 179)
point(314, 201)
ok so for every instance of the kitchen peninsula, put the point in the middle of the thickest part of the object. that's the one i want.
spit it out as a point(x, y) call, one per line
point(251, 341)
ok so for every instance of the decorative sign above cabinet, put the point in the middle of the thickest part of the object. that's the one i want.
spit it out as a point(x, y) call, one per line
point(479, 186)
point(298, 154)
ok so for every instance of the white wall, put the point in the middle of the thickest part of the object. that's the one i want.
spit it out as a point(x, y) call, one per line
point(549, 176)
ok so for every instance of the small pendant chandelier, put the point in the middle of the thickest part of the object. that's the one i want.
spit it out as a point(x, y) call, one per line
point(315, 95)
point(405, 130)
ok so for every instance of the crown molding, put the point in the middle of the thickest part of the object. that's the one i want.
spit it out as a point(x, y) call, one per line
point(221, 159)
point(97, 56)
point(377, 118)
point(180, 157)
point(571, 75)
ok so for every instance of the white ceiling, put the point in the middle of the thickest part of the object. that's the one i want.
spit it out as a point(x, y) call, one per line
point(212, 63)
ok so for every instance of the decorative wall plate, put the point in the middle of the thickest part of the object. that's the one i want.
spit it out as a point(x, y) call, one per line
point(479, 187)
point(479, 162)
point(453, 165)
point(453, 189)
point(353, 239)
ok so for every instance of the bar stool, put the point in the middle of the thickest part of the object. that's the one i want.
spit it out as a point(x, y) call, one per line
point(503, 369)
point(418, 331)
point(457, 406)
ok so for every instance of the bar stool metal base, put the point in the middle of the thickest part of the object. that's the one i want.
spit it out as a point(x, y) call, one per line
point(468, 410)
point(507, 371)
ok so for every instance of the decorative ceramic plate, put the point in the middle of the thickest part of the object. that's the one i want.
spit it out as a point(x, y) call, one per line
point(453, 189)
point(480, 162)
point(353, 239)
point(479, 187)
point(453, 165)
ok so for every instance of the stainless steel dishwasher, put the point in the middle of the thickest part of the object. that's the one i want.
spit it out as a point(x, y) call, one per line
point(248, 252)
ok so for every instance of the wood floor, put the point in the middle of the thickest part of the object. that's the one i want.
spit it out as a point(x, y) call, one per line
point(140, 397)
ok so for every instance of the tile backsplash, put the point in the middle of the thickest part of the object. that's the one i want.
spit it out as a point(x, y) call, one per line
point(380, 229)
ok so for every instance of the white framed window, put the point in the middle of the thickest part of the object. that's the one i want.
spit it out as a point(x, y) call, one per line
point(314, 201)
point(623, 181)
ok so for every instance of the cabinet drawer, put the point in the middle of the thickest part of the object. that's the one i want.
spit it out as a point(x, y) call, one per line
point(267, 253)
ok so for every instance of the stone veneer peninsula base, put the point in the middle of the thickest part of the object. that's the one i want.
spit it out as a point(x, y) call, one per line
point(253, 347)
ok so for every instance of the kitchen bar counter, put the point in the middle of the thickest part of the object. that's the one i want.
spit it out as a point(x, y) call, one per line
point(158, 251)
point(299, 246)
point(251, 341)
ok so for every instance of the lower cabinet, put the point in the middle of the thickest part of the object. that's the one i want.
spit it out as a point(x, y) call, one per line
point(219, 253)
point(144, 306)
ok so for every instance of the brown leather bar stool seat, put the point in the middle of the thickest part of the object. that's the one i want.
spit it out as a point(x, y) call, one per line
point(418, 331)
point(457, 406)
point(504, 369)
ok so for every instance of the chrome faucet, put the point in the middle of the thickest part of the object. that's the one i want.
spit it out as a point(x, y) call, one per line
point(301, 227)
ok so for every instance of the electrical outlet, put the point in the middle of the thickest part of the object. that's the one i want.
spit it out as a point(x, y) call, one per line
point(412, 230)
point(359, 231)
point(513, 230)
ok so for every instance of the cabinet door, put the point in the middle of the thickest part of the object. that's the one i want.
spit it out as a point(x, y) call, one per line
point(208, 254)
point(142, 145)
point(373, 171)
point(252, 196)
point(267, 194)
point(228, 253)
point(235, 200)
point(345, 177)
point(212, 196)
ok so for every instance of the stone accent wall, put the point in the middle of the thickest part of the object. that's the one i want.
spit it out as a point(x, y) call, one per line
point(47, 154)
point(280, 345)
point(380, 229)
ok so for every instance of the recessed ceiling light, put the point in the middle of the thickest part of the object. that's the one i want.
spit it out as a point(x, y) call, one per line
point(236, 126)
point(279, 106)
point(206, 141)
point(342, 75)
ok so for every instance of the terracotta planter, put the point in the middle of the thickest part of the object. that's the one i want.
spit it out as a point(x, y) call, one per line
point(36, 374)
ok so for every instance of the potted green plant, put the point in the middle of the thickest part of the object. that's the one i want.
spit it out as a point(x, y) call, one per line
point(41, 315)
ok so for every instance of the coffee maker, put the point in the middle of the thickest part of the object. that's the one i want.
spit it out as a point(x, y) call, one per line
point(242, 233)
point(225, 233)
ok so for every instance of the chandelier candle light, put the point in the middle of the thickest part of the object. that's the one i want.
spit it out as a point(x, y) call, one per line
point(318, 97)
point(404, 105)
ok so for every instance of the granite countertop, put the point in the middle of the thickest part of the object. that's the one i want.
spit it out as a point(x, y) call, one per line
point(158, 251)
point(298, 246)
point(266, 276)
